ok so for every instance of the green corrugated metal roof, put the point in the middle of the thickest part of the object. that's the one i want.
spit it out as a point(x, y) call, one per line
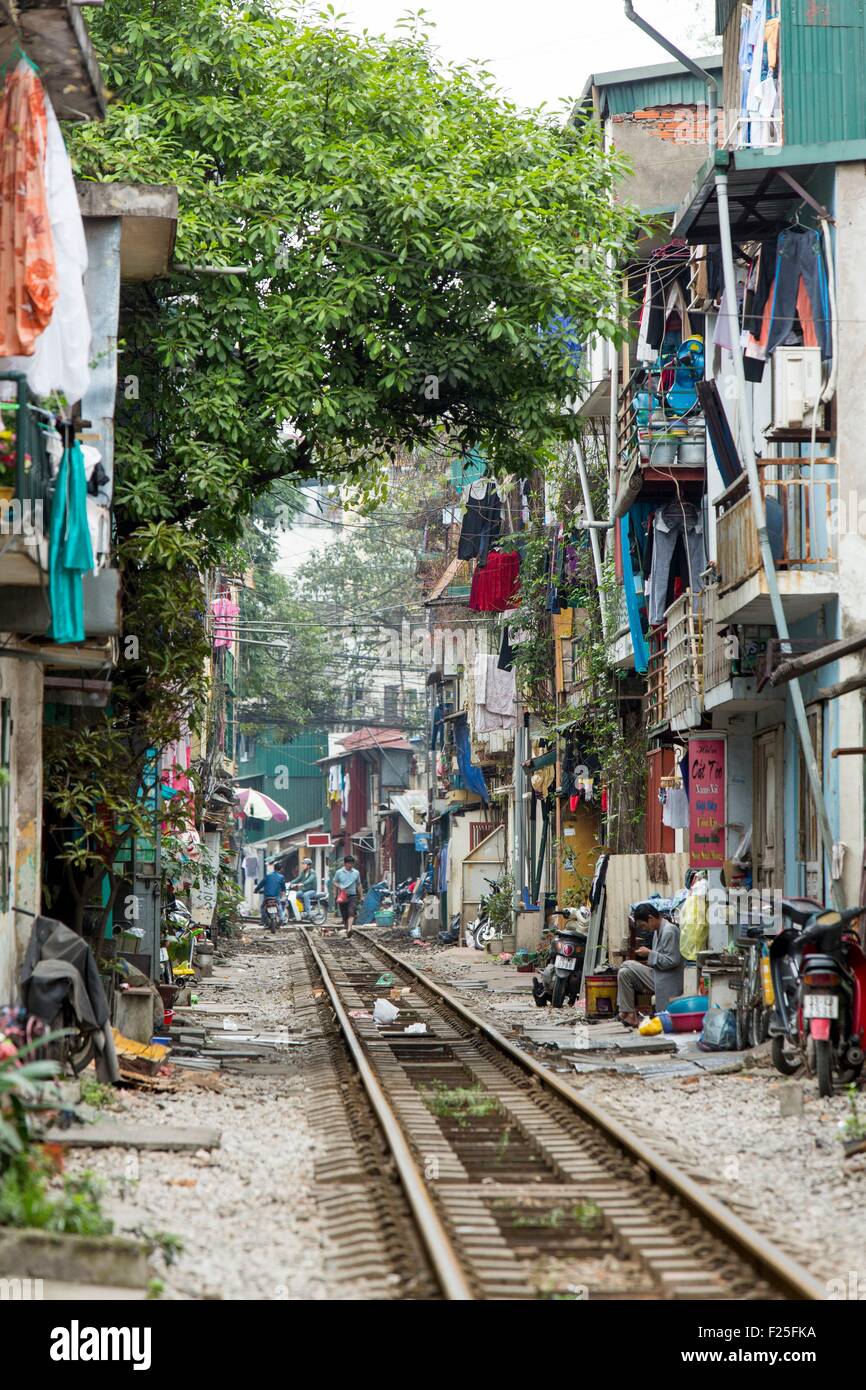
point(274, 764)
point(724, 10)
point(822, 73)
point(661, 84)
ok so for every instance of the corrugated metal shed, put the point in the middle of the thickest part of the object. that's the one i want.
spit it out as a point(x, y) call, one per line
point(724, 10)
point(640, 89)
point(288, 773)
point(823, 50)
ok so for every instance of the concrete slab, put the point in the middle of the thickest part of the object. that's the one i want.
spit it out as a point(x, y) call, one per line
point(571, 1039)
point(165, 1137)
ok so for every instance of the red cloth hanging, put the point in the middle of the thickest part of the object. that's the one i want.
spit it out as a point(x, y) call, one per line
point(494, 588)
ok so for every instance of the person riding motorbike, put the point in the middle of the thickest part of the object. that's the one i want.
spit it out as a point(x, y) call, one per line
point(273, 885)
point(306, 884)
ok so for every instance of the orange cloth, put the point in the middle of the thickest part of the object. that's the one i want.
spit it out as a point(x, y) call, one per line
point(28, 273)
point(771, 39)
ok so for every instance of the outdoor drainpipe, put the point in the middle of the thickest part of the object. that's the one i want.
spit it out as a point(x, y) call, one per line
point(747, 439)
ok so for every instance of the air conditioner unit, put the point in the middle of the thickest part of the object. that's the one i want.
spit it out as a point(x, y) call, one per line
point(796, 386)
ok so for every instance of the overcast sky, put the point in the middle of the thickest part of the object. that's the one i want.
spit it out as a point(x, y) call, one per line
point(544, 50)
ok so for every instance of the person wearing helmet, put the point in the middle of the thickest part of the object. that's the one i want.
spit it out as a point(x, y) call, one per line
point(306, 884)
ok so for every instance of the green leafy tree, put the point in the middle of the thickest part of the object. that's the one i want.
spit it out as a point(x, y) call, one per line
point(409, 261)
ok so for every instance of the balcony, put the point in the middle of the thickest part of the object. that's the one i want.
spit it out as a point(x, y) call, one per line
point(654, 435)
point(800, 501)
point(25, 484)
point(734, 657)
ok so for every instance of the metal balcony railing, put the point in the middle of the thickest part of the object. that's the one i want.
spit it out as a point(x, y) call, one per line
point(684, 656)
point(25, 469)
point(656, 699)
point(800, 500)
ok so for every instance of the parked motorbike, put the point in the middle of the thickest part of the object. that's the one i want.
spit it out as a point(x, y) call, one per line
point(482, 930)
point(318, 913)
point(402, 897)
point(818, 970)
point(560, 979)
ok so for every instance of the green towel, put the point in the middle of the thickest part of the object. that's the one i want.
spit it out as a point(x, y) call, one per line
point(70, 554)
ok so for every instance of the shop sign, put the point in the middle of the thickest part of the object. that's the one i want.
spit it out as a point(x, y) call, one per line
point(707, 802)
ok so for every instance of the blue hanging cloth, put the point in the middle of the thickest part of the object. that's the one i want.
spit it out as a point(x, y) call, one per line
point(70, 554)
point(471, 776)
point(641, 650)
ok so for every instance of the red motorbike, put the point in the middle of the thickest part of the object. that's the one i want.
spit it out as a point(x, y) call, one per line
point(818, 968)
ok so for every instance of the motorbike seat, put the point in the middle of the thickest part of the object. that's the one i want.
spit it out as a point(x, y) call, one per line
point(800, 910)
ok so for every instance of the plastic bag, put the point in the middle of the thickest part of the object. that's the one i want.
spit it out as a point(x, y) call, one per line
point(694, 922)
point(650, 1027)
point(719, 1033)
point(383, 1012)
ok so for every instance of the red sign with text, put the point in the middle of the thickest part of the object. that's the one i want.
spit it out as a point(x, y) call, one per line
point(707, 802)
point(318, 838)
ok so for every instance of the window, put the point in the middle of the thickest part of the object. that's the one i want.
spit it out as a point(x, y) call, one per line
point(391, 701)
point(5, 802)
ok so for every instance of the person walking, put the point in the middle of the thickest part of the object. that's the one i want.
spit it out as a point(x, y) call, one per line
point(347, 882)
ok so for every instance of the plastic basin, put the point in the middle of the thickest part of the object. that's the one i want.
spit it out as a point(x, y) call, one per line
point(688, 1023)
point(689, 1004)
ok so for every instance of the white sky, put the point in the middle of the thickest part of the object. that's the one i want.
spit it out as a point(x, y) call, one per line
point(540, 51)
point(544, 50)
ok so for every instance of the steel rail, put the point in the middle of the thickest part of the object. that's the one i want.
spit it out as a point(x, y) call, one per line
point(446, 1262)
point(783, 1270)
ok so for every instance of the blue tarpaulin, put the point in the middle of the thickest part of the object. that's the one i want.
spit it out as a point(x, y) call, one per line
point(471, 776)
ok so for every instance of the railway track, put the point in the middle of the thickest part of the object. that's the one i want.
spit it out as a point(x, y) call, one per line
point(518, 1187)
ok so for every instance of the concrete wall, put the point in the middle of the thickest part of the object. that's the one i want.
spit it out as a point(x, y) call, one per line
point(666, 145)
point(21, 683)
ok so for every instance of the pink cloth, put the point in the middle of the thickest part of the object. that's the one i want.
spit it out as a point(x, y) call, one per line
point(223, 632)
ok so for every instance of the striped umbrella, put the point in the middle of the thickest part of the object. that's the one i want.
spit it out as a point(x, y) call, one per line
point(253, 803)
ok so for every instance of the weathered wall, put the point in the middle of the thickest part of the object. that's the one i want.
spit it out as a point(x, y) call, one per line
point(667, 145)
point(21, 683)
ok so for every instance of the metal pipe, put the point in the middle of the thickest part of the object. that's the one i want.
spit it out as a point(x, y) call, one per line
point(590, 524)
point(519, 808)
point(759, 515)
point(690, 65)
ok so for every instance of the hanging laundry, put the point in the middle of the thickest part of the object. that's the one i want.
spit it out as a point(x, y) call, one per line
point(482, 523)
point(801, 287)
point(494, 588)
point(28, 270)
point(61, 356)
point(675, 810)
point(506, 651)
point(224, 611)
point(495, 695)
point(665, 293)
point(678, 524)
point(69, 552)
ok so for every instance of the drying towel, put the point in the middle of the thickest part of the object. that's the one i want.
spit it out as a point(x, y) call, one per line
point(494, 588)
point(28, 272)
point(70, 554)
